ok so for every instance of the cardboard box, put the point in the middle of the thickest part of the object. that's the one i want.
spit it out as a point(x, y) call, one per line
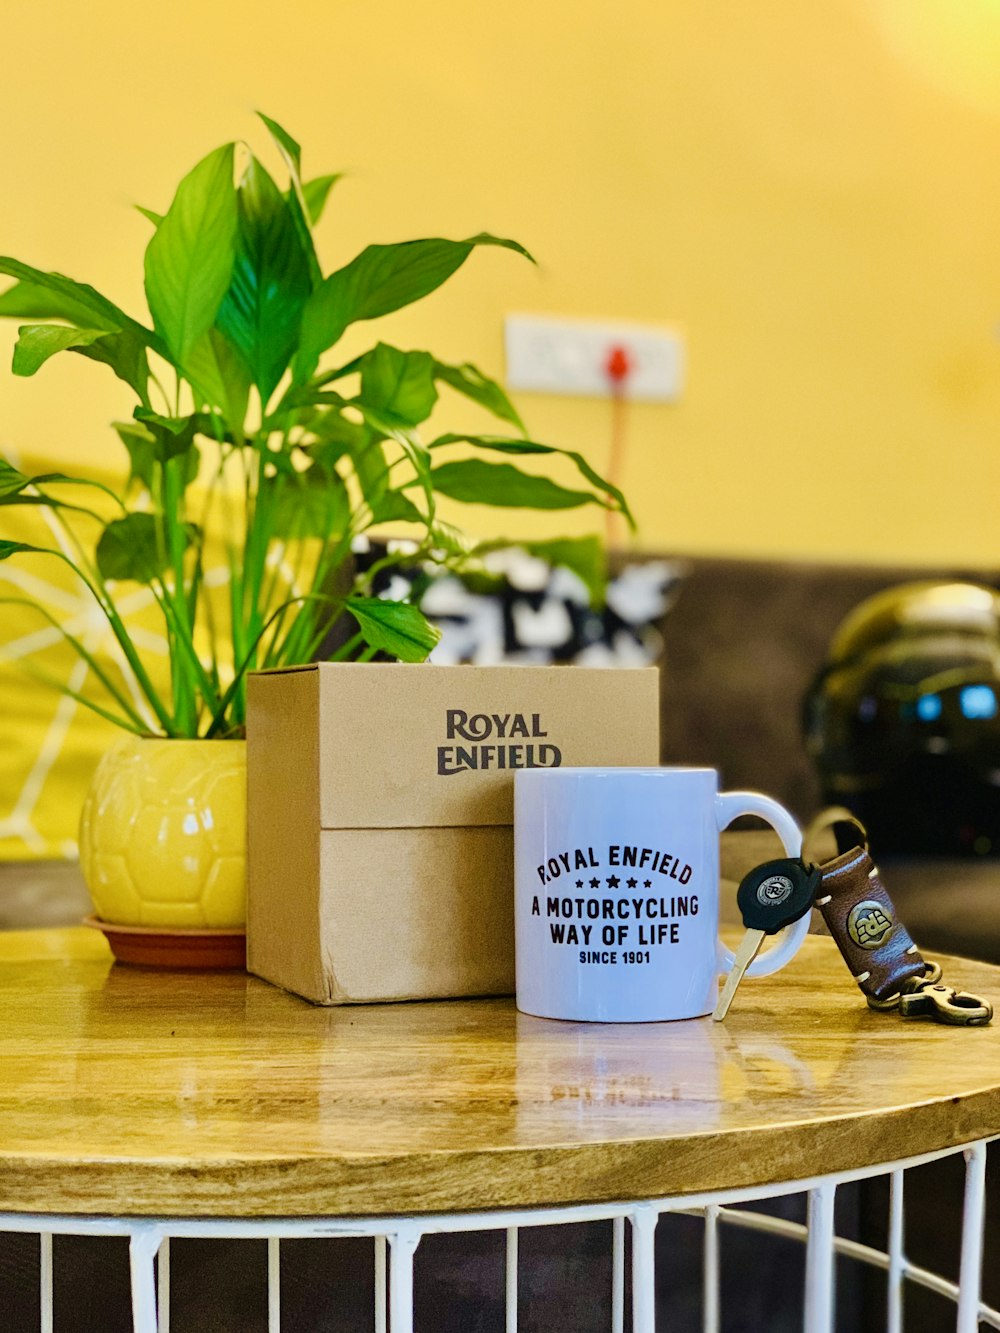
point(380, 805)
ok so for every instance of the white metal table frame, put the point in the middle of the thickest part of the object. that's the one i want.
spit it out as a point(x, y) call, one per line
point(396, 1239)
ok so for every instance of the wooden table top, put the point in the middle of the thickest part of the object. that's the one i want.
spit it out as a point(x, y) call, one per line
point(132, 1092)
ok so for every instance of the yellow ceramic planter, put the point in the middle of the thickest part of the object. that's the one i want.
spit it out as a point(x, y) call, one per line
point(163, 834)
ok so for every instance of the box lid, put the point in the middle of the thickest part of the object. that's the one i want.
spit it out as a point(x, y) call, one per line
point(408, 745)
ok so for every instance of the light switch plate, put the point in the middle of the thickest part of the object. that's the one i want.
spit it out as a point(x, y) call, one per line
point(570, 356)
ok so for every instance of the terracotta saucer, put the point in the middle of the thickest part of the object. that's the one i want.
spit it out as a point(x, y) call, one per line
point(159, 946)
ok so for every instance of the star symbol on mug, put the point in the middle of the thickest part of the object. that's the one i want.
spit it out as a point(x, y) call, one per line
point(647, 883)
point(631, 883)
point(613, 881)
point(595, 883)
point(579, 883)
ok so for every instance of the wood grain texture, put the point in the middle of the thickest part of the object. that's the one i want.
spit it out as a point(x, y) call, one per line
point(142, 1093)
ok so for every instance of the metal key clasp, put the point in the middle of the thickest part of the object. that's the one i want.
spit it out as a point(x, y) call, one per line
point(946, 1005)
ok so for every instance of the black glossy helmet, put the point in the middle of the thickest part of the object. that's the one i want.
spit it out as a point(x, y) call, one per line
point(903, 720)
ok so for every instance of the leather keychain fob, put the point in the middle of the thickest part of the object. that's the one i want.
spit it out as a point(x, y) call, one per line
point(874, 943)
point(862, 920)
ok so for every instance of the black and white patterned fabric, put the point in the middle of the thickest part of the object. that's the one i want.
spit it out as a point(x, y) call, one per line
point(537, 614)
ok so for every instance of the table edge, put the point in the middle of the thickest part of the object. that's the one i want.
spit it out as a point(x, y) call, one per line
point(463, 1180)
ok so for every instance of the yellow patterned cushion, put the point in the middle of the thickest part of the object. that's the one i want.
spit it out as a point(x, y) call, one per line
point(51, 743)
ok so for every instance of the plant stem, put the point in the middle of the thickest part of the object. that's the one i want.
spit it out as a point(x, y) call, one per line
point(329, 560)
point(174, 531)
point(239, 679)
point(53, 682)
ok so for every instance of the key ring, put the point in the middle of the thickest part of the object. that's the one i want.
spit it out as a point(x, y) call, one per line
point(829, 819)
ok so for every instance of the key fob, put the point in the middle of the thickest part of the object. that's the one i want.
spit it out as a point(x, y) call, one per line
point(777, 893)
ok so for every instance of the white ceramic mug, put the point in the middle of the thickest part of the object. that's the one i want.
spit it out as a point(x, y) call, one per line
point(617, 891)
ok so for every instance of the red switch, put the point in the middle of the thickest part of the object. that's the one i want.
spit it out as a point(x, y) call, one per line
point(618, 365)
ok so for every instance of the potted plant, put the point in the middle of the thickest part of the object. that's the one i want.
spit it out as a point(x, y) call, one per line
point(247, 439)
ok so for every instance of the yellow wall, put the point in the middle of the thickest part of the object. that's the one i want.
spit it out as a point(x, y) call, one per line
point(811, 190)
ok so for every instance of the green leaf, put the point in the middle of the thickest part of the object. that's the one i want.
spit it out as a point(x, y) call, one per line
point(124, 352)
point(393, 507)
point(316, 192)
point(37, 342)
point(505, 243)
point(499, 443)
point(151, 440)
point(504, 446)
point(467, 380)
point(381, 279)
point(336, 435)
point(189, 260)
point(141, 445)
point(372, 471)
point(329, 377)
point(13, 483)
point(290, 148)
point(399, 386)
point(12, 480)
point(292, 154)
point(384, 425)
point(270, 283)
point(154, 218)
point(329, 435)
point(396, 628)
point(297, 208)
point(311, 503)
point(29, 300)
point(129, 548)
point(221, 378)
point(51, 296)
point(43, 502)
point(473, 481)
point(172, 436)
point(7, 549)
point(297, 397)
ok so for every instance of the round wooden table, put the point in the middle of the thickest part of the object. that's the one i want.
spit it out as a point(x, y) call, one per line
point(153, 1103)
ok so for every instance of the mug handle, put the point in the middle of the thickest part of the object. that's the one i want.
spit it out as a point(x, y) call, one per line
point(729, 806)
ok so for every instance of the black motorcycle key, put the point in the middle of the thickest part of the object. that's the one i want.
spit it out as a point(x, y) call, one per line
point(770, 897)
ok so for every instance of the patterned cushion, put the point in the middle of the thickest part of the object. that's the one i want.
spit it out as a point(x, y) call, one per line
point(51, 743)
